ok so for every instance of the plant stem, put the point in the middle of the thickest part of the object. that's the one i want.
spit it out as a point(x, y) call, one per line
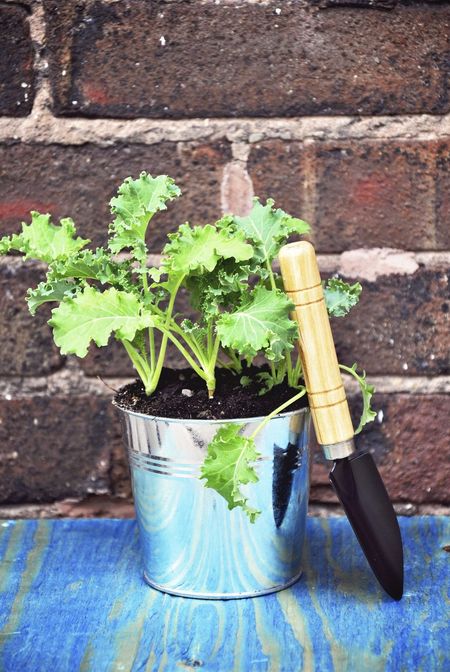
point(271, 276)
point(139, 362)
point(289, 369)
point(151, 343)
point(211, 381)
point(235, 363)
point(199, 371)
point(162, 351)
point(273, 371)
point(278, 410)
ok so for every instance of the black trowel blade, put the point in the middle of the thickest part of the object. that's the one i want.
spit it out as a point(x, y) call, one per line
point(362, 493)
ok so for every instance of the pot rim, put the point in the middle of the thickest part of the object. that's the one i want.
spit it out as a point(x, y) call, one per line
point(195, 421)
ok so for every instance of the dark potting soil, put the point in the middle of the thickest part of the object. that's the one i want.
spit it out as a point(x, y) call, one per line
point(182, 394)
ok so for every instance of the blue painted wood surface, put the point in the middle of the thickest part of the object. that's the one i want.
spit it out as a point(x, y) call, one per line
point(72, 598)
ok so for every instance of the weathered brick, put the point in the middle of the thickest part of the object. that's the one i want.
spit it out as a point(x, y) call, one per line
point(443, 196)
point(27, 344)
point(16, 63)
point(360, 193)
point(400, 325)
point(246, 59)
point(79, 181)
point(375, 194)
point(279, 170)
point(54, 447)
point(410, 445)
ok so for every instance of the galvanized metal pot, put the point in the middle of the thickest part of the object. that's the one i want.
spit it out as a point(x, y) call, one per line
point(192, 544)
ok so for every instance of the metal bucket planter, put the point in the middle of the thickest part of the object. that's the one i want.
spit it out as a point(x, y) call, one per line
point(192, 544)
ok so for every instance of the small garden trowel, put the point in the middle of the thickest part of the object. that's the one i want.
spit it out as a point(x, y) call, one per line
point(354, 475)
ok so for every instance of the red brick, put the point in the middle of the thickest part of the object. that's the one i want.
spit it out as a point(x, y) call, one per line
point(16, 63)
point(54, 447)
point(411, 447)
point(360, 193)
point(279, 170)
point(400, 326)
point(245, 59)
point(443, 196)
point(27, 343)
point(79, 181)
point(375, 194)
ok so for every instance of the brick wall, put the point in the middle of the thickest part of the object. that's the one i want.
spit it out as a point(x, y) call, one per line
point(340, 111)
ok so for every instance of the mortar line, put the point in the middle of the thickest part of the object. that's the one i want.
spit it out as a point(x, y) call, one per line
point(328, 261)
point(72, 380)
point(42, 127)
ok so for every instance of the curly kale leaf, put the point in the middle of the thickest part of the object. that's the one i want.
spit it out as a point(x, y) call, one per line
point(340, 297)
point(50, 291)
point(223, 288)
point(228, 466)
point(93, 316)
point(134, 206)
point(198, 249)
point(267, 228)
point(43, 240)
point(261, 323)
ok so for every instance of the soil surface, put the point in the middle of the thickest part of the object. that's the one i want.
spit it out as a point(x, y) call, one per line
point(182, 394)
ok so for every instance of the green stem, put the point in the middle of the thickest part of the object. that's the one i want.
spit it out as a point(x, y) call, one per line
point(277, 411)
point(189, 339)
point(273, 371)
point(297, 372)
point(209, 339)
point(289, 369)
point(211, 381)
point(271, 276)
point(281, 371)
point(151, 343)
point(162, 351)
point(235, 362)
point(199, 371)
point(139, 362)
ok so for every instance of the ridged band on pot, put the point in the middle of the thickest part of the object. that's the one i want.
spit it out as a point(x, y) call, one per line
point(192, 544)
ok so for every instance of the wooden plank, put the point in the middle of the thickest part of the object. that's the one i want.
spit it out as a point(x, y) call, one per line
point(72, 598)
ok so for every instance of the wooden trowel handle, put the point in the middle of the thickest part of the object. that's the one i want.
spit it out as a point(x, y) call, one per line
point(326, 394)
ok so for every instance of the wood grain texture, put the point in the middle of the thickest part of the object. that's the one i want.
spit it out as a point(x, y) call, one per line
point(73, 599)
point(326, 395)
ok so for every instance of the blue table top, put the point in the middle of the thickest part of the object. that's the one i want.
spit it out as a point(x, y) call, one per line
point(72, 598)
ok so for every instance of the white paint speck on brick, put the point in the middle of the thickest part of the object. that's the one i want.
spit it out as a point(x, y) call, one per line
point(162, 41)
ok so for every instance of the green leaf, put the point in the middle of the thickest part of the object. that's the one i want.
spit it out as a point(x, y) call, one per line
point(260, 323)
point(96, 265)
point(94, 316)
point(228, 466)
point(194, 329)
point(223, 288)
point(268, 228)
point(268, 382)
point(367, 391)
point(43, 240)
point(199, 248)
point(50, 290)
point(8, 243)
point(134, 206)
point(340, 297)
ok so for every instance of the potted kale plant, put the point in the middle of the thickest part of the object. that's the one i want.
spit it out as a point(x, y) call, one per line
point(235, 419)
